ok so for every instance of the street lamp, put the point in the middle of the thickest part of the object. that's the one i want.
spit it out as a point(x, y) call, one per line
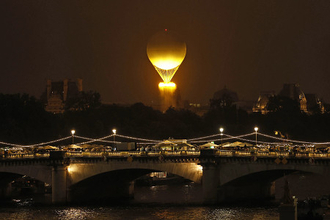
point(114, 131)
point(256, 130)
point(72, 134)
point(221, 133)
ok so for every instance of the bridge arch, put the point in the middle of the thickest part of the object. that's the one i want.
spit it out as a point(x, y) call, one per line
point(243, 178)
point(102, 181)
point(233, 171)
point(79, 172)
point(39, 172)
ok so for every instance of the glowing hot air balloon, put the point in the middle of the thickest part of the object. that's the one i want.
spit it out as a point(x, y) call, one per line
point(166, 52)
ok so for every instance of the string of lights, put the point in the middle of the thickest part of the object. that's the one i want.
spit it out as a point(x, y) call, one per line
point(95, 139)
point(196, 140)
point(92, 140)
point(138, 139)
point(10, 144)
point(223, 139)
point(253, 141)
point(35, 145)
point(293, 141)
point(204, 137)
point(50, 142)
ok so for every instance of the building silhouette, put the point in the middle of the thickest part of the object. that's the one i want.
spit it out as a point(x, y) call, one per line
point(294, 92)
point(262, 103)
point(308, 103)
point(58, 93)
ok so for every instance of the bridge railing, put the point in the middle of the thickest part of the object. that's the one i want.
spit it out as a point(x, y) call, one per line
point(25, 155)
point(223, 153)
point(231, 153)
point(131, 153)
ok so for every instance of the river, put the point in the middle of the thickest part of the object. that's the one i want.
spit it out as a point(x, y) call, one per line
point(138, 213)
point(182, 201)
point(150, 203)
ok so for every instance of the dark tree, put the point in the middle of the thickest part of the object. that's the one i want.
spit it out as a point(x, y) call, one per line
point(84, 101)
point(24, 120)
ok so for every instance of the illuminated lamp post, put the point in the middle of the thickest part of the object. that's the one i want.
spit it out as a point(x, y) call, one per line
point(221, 133)
point(256, 130)
point(72, 134)
point(114, 131)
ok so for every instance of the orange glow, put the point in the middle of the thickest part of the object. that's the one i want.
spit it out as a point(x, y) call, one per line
point(169, 85)
point(166, 52)
point(71, 168)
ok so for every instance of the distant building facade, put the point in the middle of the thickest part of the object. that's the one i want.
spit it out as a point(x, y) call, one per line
point(307, 102)
point(262, 103)
point(294, 92)
point(314, 104)
point(57, 93)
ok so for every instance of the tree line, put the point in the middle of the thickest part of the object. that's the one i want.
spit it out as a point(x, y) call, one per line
point(23, 120)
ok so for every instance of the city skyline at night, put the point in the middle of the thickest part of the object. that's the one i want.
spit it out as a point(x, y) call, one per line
point(247, 46)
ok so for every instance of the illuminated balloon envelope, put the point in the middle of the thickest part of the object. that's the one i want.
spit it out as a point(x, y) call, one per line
point(166, 53)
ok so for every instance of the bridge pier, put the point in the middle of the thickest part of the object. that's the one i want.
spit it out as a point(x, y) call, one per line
point(214, 193)
point(210, 182)
point(4, 191)
point(59, 188)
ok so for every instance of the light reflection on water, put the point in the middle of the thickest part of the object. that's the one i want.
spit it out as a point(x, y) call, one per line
point(190, 193)
point(164, 202)
point(75, 213)
point(139, 213)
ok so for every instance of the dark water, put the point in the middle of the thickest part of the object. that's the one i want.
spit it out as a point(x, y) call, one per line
point(155, 202)
point(167, 202)
point(139, 212)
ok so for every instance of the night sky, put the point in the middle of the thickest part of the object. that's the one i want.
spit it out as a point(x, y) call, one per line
point(247, 46)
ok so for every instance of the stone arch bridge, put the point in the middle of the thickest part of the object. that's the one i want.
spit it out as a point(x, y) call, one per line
point(223, 177)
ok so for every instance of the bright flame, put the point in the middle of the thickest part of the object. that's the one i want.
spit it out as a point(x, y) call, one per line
point(169, 85)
